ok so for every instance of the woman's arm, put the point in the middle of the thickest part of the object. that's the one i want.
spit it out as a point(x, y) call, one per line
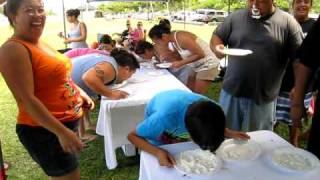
point(16, 68)
point(302, 75)
point(164, 157)
point(88, 102)
point(82, 37)
point(96, 78)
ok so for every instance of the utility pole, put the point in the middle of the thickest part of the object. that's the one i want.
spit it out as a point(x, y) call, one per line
point(64, 22)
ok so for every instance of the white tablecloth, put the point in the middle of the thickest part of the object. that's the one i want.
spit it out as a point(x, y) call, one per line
point(118, 117)
point(259, 169)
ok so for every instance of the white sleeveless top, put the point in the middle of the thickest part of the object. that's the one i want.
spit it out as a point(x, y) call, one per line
point(75, 33)
point(208, 62)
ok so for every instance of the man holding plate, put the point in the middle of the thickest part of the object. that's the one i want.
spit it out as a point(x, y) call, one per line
point(252, 81)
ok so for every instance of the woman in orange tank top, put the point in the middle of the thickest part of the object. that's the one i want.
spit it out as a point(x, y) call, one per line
point(49, 102)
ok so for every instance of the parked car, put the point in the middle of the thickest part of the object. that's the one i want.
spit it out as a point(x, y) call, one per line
point(210, 15)
point(185, 15)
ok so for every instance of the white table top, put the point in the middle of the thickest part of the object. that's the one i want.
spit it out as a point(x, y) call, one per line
point(259, 169)
point(118, 117)
point(142, 92)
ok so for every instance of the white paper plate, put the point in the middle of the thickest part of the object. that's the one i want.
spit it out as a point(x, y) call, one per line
point(147, 65)
point(120, 85)
point(155, 73)
point(197, 162)
point(236, 52)
point(164, 65)
point(232, 150)
point(295, 160)
point(136, 80)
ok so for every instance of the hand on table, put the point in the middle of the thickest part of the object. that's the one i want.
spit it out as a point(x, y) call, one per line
point(236, 134)
point(165, 158)
point(118, 94)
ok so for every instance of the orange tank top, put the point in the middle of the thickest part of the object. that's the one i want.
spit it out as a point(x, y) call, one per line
point(53, 86)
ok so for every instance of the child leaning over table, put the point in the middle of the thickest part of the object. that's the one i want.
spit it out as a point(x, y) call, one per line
point(176, 116)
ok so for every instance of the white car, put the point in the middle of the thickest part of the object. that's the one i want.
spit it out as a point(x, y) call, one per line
point(185, 15)
point(210, 15)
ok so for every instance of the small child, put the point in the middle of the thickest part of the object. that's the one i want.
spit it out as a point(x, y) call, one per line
point(177, 116)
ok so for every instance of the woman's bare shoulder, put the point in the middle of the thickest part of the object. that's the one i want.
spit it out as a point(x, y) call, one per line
point(13, 50)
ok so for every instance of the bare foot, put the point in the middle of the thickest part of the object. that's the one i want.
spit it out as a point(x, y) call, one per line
point(6, 166)
point(91, 127)
point(88, 138)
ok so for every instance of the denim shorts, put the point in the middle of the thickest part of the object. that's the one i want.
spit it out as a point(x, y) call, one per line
point(45, 149)
point(243, 114)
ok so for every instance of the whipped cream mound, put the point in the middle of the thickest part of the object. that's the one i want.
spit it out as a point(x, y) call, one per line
point(292, 161)
point(197, 162)
point(238, 152)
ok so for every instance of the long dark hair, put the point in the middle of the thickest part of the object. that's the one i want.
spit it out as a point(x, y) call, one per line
point(158, 30)
point(73, 12)
point(124, 58)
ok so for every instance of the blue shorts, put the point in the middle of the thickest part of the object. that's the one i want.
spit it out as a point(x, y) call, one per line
point(243, 114)
point(45, 149)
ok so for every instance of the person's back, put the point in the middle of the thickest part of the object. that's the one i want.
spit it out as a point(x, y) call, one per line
point(82, 64)
point(84, 51)
point(175, 116)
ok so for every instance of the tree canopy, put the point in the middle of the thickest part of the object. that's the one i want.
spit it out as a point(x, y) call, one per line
point(176, 5)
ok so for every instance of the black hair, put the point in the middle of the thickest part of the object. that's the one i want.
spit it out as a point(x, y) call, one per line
point(142, 46)
point(124, 58)
point(11, 8)
point(165, 22)
point(205, 122)
point(158, 30)
point(73, 12)
point(105, 39)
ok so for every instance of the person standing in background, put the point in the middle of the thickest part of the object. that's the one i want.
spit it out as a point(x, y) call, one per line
point(251, 83)
point(309, 63)
point(77, 36)
point(137, 34)
point(301, 10)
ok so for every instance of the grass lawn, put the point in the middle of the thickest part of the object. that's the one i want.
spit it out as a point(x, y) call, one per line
point(92, 161)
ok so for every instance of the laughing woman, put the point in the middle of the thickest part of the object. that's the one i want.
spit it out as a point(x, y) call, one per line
point(49, 102)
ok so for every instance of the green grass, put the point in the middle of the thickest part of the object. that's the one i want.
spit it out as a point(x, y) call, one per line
point(92, 163)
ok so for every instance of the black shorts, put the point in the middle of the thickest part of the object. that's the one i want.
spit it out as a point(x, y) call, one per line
point(45, 149)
